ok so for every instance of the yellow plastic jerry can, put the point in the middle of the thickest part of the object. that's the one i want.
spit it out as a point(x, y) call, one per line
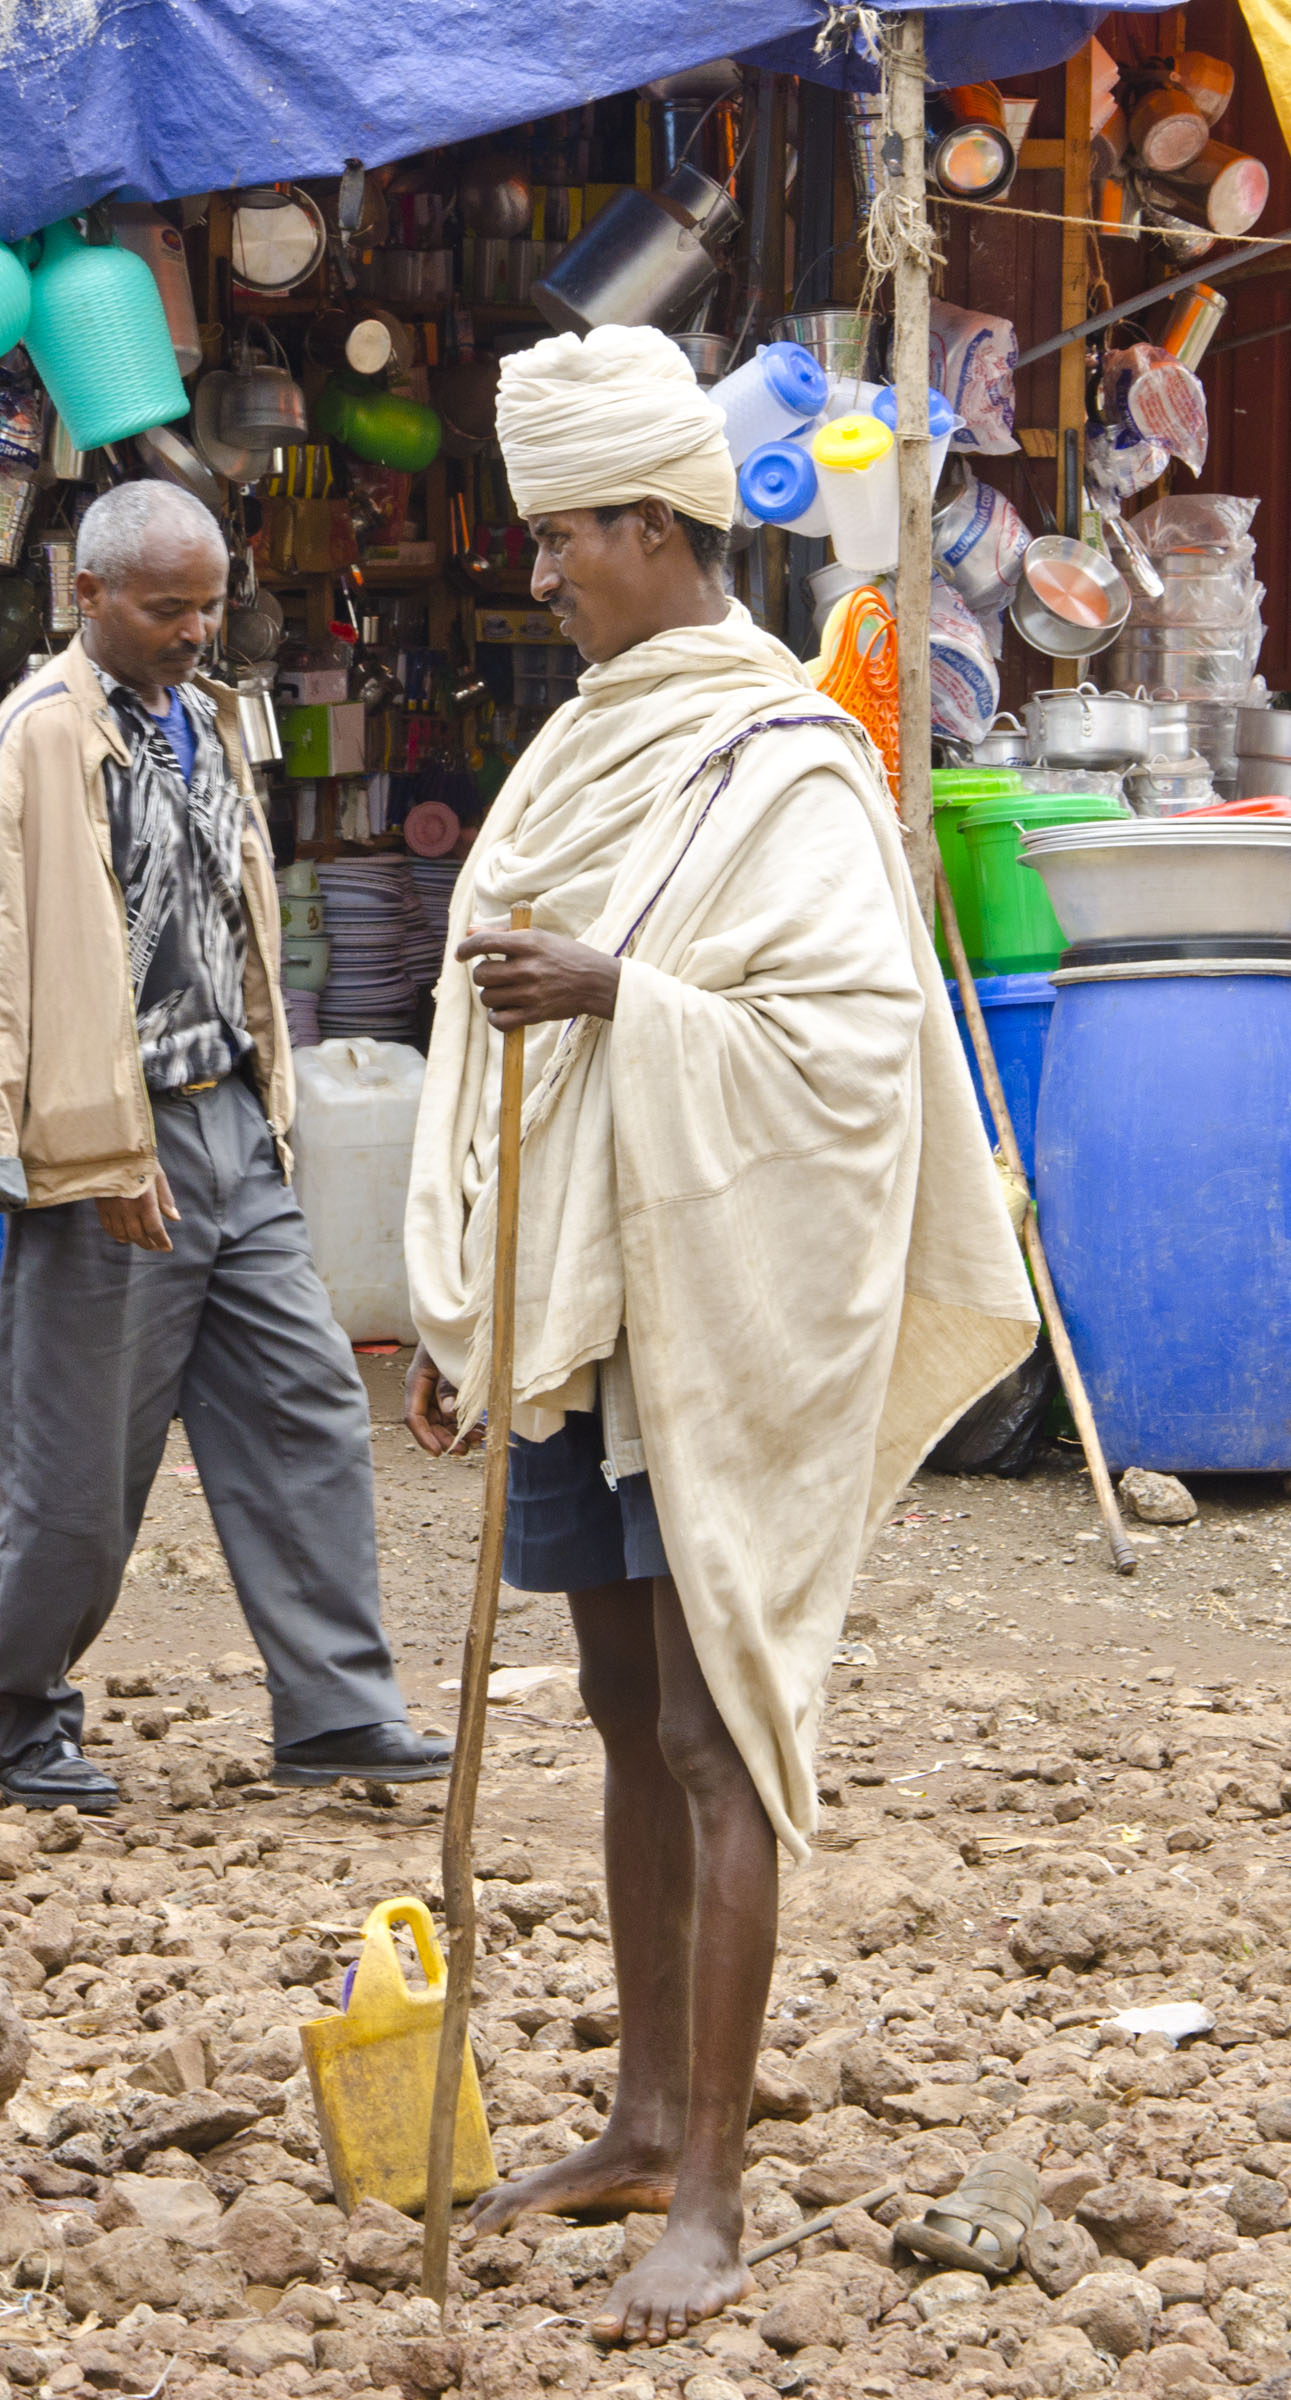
point(373, 2075)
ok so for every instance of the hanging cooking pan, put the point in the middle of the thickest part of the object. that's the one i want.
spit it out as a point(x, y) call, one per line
point(165, 454)
point(279, 238)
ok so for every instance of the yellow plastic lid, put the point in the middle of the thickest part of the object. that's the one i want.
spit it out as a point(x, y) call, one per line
point(851, 442)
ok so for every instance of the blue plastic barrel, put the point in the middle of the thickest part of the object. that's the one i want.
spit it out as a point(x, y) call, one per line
point(1163, 1178)
point(1017, 1009)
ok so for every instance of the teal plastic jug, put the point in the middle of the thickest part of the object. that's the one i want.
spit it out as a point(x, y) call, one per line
point(15, 298)
point(99, 340)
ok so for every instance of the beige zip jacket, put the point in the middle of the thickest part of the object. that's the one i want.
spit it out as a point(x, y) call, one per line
point(75, 1118)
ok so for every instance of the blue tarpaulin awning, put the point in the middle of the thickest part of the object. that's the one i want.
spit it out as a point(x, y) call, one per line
point(157, 98)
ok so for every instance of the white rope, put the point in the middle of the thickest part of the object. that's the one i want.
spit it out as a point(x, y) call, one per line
point(847, 27)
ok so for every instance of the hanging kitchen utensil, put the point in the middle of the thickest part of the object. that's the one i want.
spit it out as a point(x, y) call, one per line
point(254, 627)
point(349, 214)
point(466, 567)
point(257, 722)
point(278, 240)
point(1139, 562)
point(63, 462)
point(1070, 602)
point(646, 259)
point(382, 427)
point(141, 228)
point(243, 462)
point(495, 197)
point(262, 404)
point(165, 454)
point(98, 339)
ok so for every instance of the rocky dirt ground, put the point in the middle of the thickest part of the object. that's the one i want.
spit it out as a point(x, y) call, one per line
point(1050, 1795)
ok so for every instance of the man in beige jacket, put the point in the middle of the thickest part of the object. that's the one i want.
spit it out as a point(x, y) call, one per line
point(157, 1262)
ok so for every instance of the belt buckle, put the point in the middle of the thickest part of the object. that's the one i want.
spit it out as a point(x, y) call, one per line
point(186, 1090)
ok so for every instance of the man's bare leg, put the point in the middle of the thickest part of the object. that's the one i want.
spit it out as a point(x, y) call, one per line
point(696, 2268)
point(649, 1876)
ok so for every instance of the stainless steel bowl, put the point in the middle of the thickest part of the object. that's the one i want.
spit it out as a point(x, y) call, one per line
point(844, 340)
point(1169, 878)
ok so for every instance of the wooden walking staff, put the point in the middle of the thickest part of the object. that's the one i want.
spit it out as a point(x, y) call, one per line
point(1125, 1556)
point(459, 1815)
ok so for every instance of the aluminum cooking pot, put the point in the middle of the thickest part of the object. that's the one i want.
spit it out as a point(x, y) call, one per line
point(1263, 779)
point(844, 341)
point(1087, 728)
point(1004, 744)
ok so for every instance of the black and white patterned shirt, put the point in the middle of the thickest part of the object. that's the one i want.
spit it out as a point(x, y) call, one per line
point(177, 855)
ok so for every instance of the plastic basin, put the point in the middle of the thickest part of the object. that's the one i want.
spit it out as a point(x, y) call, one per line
point(1018, 931)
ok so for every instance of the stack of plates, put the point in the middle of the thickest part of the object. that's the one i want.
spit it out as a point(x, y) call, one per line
point(434, 880)
point(302, 1018)
point(369, 990)
point(421, 950)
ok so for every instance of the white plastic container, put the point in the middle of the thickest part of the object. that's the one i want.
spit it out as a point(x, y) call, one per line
point(356, 1113)
point(779, 486)
point(942, 422)
point(773, 394)
point(856, 462)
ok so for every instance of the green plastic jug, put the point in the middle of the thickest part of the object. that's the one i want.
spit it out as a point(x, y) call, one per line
point(15, 298)
point(383, 427)
point(97, 337)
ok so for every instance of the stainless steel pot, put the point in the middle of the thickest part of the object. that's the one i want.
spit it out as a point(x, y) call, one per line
point(1087, 728)
point(646, 259)
point(846, 341)
point(1264, 733)
point(1166, 786)
point(1171, 726)
point(1004, 744)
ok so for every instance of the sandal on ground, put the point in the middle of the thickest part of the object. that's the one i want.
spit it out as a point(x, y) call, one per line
point(983, 2223)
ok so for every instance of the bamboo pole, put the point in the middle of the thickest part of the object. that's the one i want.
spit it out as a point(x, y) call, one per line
point(914, 561)
point(1075, 301)
point(459, 1814)
point(1123, 1552)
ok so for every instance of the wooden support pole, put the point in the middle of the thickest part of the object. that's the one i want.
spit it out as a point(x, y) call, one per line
point(1075, 307)
point(914, 563)
point(459, 1815)
point(1124, 1556)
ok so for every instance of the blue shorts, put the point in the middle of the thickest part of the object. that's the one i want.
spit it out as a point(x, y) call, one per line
point(566, 1530)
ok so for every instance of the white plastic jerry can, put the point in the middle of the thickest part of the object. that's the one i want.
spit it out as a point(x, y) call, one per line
point(356, 1114)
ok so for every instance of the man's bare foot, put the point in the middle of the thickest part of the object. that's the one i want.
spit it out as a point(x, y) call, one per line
point(693, 2272)
point(609, 2177)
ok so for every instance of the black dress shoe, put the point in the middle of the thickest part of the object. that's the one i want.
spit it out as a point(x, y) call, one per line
point(390, 1753)
point(58, 1774)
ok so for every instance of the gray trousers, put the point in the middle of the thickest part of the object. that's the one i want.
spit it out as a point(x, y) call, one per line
point(101, 1345)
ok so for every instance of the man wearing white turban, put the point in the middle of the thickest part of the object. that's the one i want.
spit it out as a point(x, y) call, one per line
point(763, 1263)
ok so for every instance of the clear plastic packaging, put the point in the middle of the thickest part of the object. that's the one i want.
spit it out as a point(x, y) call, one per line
point(979, 542)
point(965, 679)
point(972, 358)
point(1179, 522)
point(1150, 390)
point(1119, 462)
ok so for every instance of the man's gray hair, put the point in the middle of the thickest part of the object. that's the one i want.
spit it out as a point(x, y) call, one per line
point(117, 530)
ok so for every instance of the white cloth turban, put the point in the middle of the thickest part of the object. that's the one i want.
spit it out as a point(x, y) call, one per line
point(615, 417)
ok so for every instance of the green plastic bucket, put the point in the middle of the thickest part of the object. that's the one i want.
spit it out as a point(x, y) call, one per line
point(1018, 930)
point(954, 791)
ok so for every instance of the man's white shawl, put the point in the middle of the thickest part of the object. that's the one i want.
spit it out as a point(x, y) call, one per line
point(769, 1167)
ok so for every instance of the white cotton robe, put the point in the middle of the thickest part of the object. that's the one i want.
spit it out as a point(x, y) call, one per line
point(768, 1167)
